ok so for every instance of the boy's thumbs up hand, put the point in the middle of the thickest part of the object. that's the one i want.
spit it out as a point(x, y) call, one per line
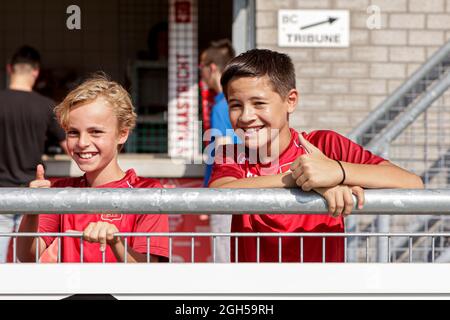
point(314, 169)
point(40, 181)
point(308, 146)
point(40, 172)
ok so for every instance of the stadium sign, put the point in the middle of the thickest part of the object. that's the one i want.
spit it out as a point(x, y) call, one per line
point(313, 28)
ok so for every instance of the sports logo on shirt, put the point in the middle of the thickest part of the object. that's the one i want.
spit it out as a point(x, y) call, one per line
point(251, 174)
point(111, 217)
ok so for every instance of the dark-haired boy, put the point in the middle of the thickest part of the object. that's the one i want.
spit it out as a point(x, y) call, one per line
point(260, 90)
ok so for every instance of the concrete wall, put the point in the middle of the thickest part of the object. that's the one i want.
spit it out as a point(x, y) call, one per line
point(339, 87)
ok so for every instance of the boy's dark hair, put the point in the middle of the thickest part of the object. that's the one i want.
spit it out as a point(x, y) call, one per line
point(220, 52)
point(26, 55)
point(257, 63)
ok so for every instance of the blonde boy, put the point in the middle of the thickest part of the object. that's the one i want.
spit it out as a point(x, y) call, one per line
point(97, 117)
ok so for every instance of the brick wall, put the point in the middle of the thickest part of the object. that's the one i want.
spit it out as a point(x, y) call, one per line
point(339, 87)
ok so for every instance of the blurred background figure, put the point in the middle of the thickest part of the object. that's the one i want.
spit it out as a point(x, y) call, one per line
point(26, 122)
point(212, 62)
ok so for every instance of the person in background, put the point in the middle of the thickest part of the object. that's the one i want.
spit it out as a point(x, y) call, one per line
point(26, 122)
point(212, 62)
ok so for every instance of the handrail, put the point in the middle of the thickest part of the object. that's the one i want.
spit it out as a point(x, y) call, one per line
point(78, 234)
point(398, 94)
point(216, 201)
point(395, 128)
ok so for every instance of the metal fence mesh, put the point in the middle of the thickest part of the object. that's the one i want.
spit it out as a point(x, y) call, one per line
point(430, 248)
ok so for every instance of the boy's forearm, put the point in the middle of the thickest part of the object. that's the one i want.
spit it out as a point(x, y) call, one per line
point(384, 175)
point(26, 246)
point(282, 180)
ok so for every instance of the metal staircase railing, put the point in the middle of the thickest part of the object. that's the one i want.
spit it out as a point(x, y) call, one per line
point(410, 102)
point(418, 83)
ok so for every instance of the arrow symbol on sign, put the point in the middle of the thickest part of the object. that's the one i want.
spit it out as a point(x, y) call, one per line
point(330, 20)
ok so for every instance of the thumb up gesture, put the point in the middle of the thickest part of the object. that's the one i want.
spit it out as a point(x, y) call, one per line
point(314, 169)
point(40, 181)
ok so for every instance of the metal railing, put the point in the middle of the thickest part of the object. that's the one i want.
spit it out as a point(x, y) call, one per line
point(367, 255)
point(216, 201)
point(410, 129)
point(418, 83)
point(238, 201)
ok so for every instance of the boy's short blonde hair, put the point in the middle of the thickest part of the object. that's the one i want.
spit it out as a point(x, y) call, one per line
point(93, 88)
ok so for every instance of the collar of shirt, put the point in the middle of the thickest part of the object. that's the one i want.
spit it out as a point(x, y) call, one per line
point(288, 156)
point(126, 182)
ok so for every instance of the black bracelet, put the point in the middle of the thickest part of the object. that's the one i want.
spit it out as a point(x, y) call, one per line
point(343, 172)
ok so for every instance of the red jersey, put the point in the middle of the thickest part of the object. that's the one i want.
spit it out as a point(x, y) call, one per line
point(238, 165)
point(124, 223)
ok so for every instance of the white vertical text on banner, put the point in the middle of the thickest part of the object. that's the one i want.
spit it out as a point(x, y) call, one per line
point(183, 82)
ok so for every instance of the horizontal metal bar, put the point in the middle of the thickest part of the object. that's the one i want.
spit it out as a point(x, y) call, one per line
point(216, 201)
point(235, 234)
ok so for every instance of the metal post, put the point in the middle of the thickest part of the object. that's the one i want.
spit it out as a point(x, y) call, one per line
point(258, 249)
point(301, 250)
point(148, 249)
point(59, 249)
point(323, 249)
point(170, 249)
point(126, 251)
point(383, 225)
point(192, 249)
point(14, 249)
point(280, 254)
point(214, 249)
point(243, 32)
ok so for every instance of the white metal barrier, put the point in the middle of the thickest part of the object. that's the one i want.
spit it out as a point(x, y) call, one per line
point(227, 278)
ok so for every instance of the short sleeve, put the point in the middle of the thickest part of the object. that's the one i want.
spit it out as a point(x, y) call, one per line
point(225, 164)
point(338, 147)
point(151, 223)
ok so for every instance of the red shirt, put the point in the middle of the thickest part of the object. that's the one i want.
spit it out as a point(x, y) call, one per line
point(124, 223)
point(238, 166)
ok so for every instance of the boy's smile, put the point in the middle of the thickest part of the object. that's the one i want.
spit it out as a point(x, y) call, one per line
point(86, 155)
point(259, 114)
